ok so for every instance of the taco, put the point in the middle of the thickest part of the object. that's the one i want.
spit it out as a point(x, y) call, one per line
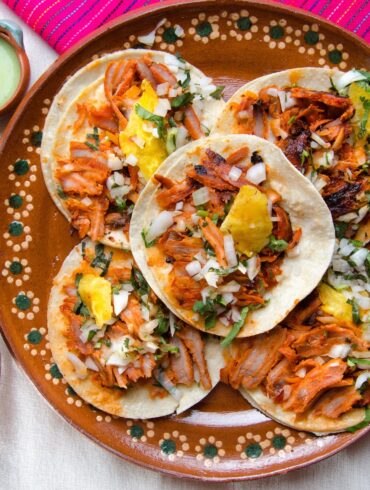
point(111, 126)
point(118, 346)
point(231, 236)
point(311, 372)
point(320, 120)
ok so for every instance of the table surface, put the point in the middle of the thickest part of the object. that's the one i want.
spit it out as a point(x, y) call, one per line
point(38, 449)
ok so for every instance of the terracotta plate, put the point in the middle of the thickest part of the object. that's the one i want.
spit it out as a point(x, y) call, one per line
point(222, 438)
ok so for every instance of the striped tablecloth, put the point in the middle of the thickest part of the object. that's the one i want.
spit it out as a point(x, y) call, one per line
point(61, 23)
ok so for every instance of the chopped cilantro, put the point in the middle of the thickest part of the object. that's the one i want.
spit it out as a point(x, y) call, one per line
point(182, 100)
point(149, 116)
point(291, 120)
point(83, 249)
point(305, 154)
point(61, 192)
point(186, 82)
point(365, 117)
point(340, 228)
point(180, 58)
point(355, 311)
point(202, 213)
point(91, 335)
point(277, 245)
point(217, 94)
point(147, 243)
point(215, 218)
point(236, 328)
point(163, 325)
point(206, 310)
point(362, 424)
point(138, 282)
point(91, 146)
point(101, 261)
point(353, 361)
point(94, 136)
point(121, 204)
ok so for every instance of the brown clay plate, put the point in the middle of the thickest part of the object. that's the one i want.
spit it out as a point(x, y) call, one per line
point(222, 438)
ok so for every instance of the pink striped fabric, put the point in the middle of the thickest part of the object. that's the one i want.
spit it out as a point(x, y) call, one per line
point(62, 23)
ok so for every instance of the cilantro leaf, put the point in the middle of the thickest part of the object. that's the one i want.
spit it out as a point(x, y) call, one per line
point(149, 116)
point(236, 328)
point(277, 245)
point(182, 100)
point(217, 94)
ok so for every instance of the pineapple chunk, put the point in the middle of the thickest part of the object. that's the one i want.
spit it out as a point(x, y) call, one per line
point(249, 221)
point(153, 150)
point(96, 293)
point(334, 303)
point(356, 92)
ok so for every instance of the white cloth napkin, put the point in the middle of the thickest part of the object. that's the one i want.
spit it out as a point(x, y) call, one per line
point(40, 451)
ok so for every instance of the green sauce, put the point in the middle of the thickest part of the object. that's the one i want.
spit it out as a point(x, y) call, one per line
point(10, 71)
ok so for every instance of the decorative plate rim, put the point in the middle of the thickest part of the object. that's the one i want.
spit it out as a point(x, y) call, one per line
point(38, 84)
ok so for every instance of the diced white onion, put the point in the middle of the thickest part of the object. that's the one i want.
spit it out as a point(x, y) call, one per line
point(173, 92)
point(193, 268)
point(195, 218)
point(162, 89)
point(179, 31)
point(211, 278)
point(86, 201)
point(131, 160)
point(301, 373)
point(160, 224)
point(242, 115)
point(272, 91)
point(232, 259)
point(181, 136)
point(225, 321)
point(362, 379)
point(80, 368)
point(148, 39)
point(339, 350)
point(115, 359)
point(162, 107)
point(230, 287)
point(348, 78)
point(256, 173)
point(120, 301)
point(201, 196)
point(138, 141)
point(205, 293)
point(235, 314)
point(228, 298)
point(286, 101)
point(319, 140)
point(90, 364)
point(179, 206)
point(114, 163)
point(146, 330)
point(359, 257)
point(235, 173)
point(172, 324)
point(253, 267)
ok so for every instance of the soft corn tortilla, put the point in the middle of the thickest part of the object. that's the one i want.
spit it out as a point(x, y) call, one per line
point(310, 78)
point(136, 401)
point(309, 422)
point(87, 84)
point(301, 270)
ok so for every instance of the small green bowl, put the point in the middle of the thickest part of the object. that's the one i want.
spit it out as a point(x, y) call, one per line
point(13, 35)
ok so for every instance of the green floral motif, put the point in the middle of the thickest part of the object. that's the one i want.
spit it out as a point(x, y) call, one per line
point(279, 442)
point(15, 201)
point(15, 228)
point(16, 267)
point(36, 138)
point(253, 450)
point(22, 302)
point(204, 29)
point(335, 56)
point(311, 37)
point(276, 32)
point(21, 167)
point(168, 446)
point(54, 371)
point(170, 36)
point(70, 391)
point(244, 23)
point(210, 451)
point(34, 337)
point(136, 431)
